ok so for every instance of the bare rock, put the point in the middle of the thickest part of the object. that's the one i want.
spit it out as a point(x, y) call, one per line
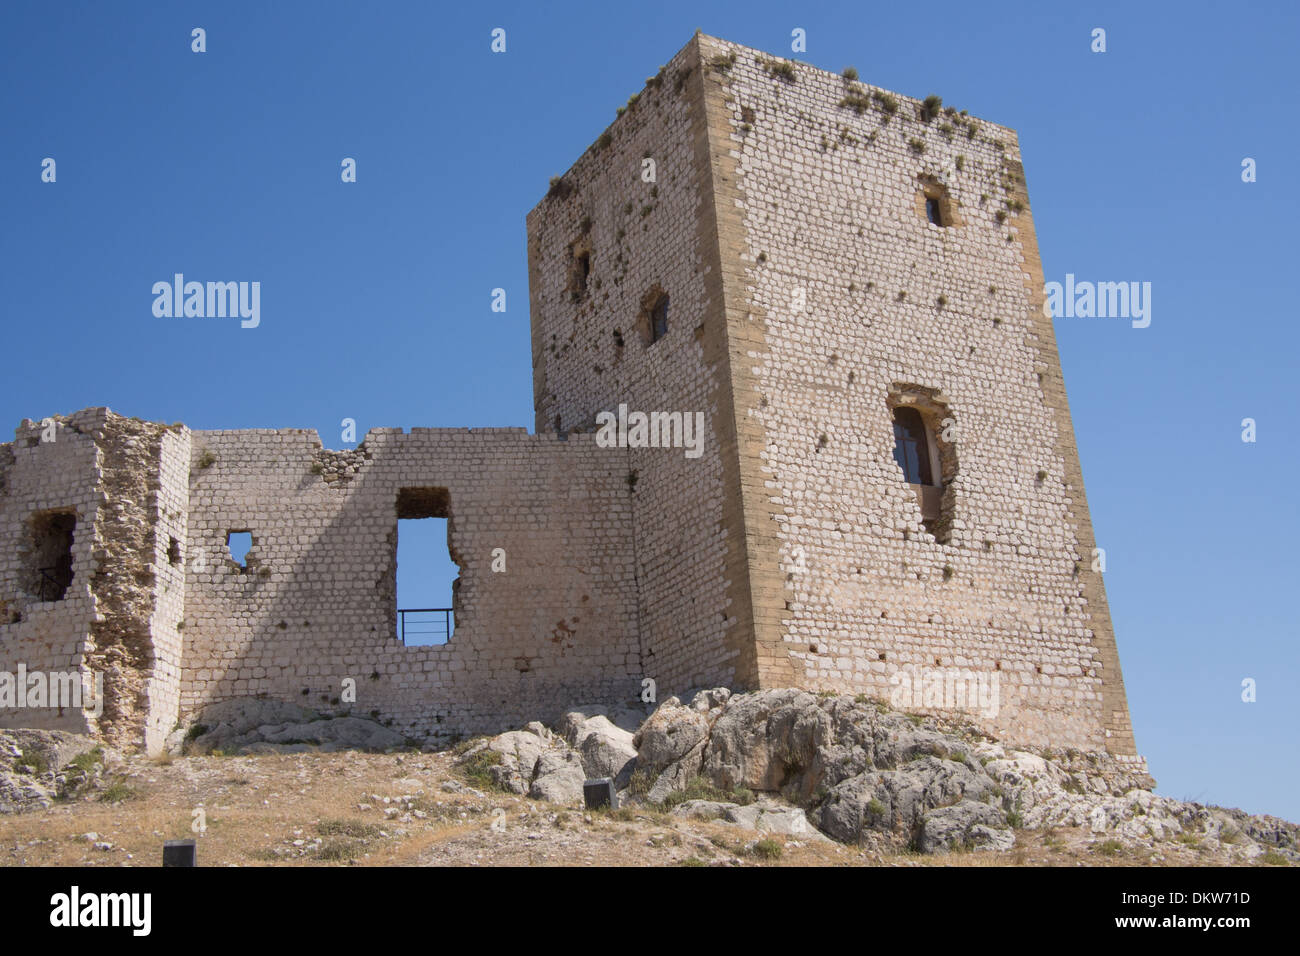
point(965, 825)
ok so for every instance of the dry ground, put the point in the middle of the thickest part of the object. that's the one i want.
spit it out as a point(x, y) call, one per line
point(357, 809)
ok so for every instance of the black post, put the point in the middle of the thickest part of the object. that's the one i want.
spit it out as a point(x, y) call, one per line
point(179, 853)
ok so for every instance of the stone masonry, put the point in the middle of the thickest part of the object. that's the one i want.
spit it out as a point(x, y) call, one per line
point(799, 256)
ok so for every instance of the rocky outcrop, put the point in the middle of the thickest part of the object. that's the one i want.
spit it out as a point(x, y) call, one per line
point(533, 762)
point(604, 741)
point(255, 725)
point(812, 767)
point(867, 775)
point(764, 817)
point(40, 767)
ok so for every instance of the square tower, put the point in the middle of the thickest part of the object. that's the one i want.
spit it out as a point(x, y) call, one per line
point(846, 283)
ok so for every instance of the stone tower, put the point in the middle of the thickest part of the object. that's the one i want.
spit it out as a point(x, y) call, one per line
point(846, 283)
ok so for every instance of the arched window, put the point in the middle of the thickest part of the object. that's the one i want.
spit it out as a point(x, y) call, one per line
point(912, 446)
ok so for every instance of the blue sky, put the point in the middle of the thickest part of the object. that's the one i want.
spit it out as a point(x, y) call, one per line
point(376, 295)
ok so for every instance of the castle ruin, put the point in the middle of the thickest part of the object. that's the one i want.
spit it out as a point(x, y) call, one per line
point(843, 282)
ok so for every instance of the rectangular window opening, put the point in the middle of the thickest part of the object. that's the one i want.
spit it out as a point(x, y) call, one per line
point(239, 543)
point(659, 319)
point(49, 554)
point(428, 574)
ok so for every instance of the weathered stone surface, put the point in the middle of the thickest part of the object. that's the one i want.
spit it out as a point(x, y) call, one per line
point(865, 773)
point(765, 741)
point(534, 762)
point(964, 825)
point(36, 768)
point(669, 735)
point(250, 725)
point(558, 778)
point(606, 748)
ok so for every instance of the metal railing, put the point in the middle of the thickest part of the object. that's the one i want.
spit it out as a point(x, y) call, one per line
point(54, 582)
point(423, 626)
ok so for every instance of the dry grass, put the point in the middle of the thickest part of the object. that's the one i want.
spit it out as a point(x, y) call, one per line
point(321, 810)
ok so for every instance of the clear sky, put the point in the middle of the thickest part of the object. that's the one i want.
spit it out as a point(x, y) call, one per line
point(375, 298)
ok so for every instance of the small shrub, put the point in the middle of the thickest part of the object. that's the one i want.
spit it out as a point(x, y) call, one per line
point(916, 145)
point(207, 459)
point(781, 69)
point(768, 849)
point(86, 762)
point(722, 63)
point(641, 782)
point(338, 851)
point(930, 107)
point(692, 861)
point(850, 74)
point(349, 828)
point(478, 768)
point(697, 788)
point(33, 761)
point(118, 791)
point(1108, 847)
point(857, 102)
point(887, 103)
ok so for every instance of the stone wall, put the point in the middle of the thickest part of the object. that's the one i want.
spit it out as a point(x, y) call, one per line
point(858, 299)
point(592, 351)
point(316, 603)
point(57, 475)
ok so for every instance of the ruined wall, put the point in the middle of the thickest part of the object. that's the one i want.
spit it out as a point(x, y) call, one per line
point(170, 518)
point(111, 625)
point(125, 579)
point(316, 603)
point(856, 295)
point(592, 351)
point(47, 635)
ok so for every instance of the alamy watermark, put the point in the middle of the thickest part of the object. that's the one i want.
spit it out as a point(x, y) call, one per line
point(651, 430)
point(946, 688)
point(57, 689)
point(212, 300)
point(1102, 300)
